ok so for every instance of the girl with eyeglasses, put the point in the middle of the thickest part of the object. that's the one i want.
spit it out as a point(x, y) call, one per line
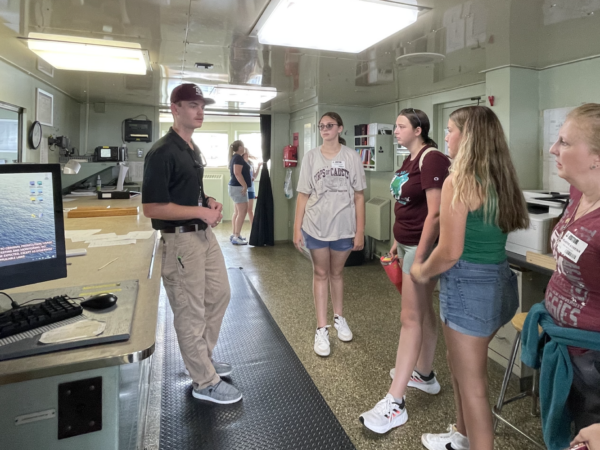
point(416, 187)
point(481, 204)
point(330, 221)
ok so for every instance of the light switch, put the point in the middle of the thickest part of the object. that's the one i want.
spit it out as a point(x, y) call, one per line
point(140, 153)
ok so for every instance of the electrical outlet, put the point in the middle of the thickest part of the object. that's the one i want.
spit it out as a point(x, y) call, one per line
point(140, 153)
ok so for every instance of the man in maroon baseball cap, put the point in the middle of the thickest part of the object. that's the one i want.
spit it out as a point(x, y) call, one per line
point(189, 92)
point(173, 197)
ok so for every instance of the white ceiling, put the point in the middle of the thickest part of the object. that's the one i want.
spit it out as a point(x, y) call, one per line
point(473, 35)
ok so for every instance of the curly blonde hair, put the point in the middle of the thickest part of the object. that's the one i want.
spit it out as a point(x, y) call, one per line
point(483, 172)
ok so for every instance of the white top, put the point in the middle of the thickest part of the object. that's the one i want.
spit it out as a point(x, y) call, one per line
point(330, 212)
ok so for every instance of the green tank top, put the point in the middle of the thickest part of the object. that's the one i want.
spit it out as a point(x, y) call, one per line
point(484, 242)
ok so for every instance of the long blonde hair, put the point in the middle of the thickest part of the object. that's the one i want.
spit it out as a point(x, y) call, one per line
point(483, 172)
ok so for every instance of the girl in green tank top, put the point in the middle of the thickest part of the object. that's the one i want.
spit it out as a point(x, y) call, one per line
point(481, 204)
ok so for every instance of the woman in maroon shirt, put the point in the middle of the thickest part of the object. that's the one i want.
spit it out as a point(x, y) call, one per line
point(573, 294)
point(416, 187)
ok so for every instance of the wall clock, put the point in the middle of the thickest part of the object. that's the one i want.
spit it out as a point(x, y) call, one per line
point(35, 135)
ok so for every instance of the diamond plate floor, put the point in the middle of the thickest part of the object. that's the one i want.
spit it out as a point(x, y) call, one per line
point(281, 409)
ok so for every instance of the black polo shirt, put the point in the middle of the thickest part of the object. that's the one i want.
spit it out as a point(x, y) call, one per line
point(173, 174)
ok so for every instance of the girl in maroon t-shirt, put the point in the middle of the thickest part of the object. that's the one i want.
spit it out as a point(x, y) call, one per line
point(573, 294)
point(416, 186)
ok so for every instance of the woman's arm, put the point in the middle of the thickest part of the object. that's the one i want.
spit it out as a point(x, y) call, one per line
point(300, 208)
point(237, 171)
point(453, 222)
point(359, 204)
point(431, 227)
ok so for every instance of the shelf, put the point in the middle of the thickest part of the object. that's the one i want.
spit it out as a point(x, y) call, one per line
point(364, 146)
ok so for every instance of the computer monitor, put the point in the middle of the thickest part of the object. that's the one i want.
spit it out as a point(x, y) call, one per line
point(32, 231)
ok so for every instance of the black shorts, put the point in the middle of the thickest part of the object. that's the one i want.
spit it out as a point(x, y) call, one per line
point(584, 398)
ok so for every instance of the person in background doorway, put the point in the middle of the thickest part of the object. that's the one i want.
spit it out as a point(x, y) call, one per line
point(238, 190)
point(330, 221)
point(193, 267)
point(481, 204)
point(251, 192)
point(570, 313)
point(416, 187)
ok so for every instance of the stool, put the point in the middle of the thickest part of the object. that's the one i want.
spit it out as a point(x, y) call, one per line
point(518, 321)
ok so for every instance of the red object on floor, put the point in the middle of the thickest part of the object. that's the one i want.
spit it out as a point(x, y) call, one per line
point(393, 270)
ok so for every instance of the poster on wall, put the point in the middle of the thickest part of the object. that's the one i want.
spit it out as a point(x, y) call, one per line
point(44, 108)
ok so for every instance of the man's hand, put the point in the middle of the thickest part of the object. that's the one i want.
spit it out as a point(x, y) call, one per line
point(590, 436)
point(211, 216)
point(213, 204)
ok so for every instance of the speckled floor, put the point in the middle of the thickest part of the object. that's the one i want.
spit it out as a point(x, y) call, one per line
point(356, 375)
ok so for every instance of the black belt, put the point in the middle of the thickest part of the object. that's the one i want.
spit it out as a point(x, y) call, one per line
point(181, 229)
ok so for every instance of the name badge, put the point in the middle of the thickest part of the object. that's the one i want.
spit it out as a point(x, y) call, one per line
point(338, 164)
point(571, 246)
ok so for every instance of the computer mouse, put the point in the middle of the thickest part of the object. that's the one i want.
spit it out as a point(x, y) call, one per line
point(100, 301)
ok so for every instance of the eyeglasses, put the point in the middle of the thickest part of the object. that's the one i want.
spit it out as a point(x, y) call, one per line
point(327, 126)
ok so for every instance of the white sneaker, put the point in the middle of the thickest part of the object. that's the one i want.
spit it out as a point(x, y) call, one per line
point(452, 440)
point(322, 347)
point(340, 324)
point(416, 381)
point(386, 415)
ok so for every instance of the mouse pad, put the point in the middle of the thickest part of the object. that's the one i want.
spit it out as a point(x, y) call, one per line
point(117, 318)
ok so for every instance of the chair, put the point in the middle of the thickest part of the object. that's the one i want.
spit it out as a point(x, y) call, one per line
point(517, 321)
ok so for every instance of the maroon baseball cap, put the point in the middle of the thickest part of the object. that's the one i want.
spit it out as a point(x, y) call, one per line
point(189, 92)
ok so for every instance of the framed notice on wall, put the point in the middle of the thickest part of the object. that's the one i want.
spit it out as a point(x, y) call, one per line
point(44, 107)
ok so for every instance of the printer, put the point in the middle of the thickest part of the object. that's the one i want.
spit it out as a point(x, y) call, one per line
point(544, 209)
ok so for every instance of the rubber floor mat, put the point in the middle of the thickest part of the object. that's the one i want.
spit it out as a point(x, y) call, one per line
point(281, 409)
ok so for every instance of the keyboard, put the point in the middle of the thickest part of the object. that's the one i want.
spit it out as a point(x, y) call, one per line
point(36, 315)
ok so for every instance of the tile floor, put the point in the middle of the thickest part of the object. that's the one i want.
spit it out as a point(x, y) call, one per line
point(356, 375)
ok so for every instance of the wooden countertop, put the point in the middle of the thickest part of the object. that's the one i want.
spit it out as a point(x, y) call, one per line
point(133, 263)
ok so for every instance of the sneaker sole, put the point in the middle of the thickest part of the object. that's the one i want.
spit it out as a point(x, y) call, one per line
point(214, 400)
point(385, 429)
point(344, 339)
point(432, 389)
point(323, 354)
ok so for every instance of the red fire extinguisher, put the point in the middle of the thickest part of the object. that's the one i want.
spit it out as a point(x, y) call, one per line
point(290, 156)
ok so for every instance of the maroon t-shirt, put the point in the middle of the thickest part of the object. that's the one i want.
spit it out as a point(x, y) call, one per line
point(408, 188)
point(573, 294)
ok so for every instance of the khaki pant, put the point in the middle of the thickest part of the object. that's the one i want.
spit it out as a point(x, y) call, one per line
point(195, 278)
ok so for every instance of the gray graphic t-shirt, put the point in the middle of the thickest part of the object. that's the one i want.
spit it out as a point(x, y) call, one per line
point(330, 212)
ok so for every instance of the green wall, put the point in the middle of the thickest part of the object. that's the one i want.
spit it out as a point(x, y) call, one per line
point(19, 88)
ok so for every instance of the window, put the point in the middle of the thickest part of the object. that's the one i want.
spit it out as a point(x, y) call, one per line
point(252, 141)
point(214, 147)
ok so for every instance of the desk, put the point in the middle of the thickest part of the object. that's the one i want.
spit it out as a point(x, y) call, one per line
point(29, 385)
point(533, 280)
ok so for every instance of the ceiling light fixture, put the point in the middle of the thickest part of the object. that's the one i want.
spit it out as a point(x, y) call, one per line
point(337, 25)
point(86, 54)
point(243, 94)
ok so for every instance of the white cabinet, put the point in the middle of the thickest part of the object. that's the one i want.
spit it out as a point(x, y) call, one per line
point(376, 152)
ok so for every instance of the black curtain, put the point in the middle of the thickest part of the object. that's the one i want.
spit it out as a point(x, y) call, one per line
point(263, 226)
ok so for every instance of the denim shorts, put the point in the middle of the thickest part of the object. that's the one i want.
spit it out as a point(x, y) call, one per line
point(235, 192)
point(341, 245)
point(477, 299)
point(251, 195)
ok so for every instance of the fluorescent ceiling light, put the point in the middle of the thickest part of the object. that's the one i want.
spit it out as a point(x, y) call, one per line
point(92, 55)
point(337, 25)
point(243, 94)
